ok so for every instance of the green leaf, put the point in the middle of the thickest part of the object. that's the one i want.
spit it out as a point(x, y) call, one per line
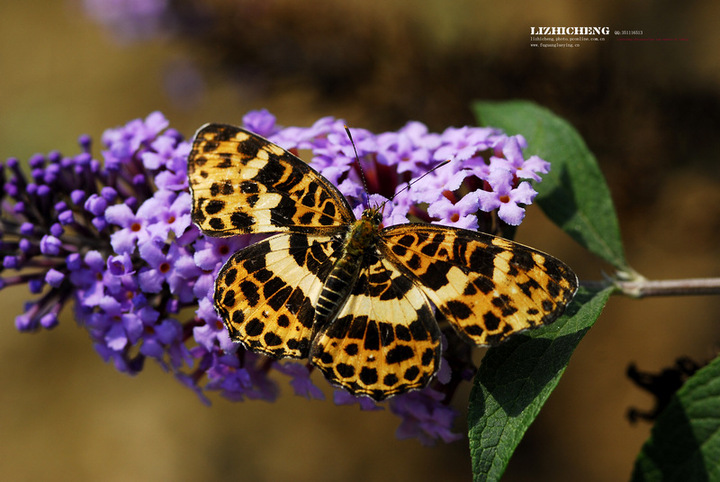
point(574, 193)
point(516, 378)
point(685, 441)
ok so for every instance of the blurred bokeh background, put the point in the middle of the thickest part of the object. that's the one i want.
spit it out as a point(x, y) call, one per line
point(649, 110)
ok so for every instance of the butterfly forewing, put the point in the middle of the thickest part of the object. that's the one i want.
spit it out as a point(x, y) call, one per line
point(488, 287)
point(243, 183)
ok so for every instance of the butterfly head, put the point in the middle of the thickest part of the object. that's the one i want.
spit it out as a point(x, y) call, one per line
point(373, 215)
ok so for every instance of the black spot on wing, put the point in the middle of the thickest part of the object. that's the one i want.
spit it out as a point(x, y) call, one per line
point(399, 354)
point(474, 330)
point(430, 249)
point(214, 206)
point(482, 260)
point(254, 257)
point(417, 329)
point(523, 259)
point(356, 330)
point(306, 218)
point(329, 210)
point(397, 290)
point(254, 327)
point(528, 287)
point(387, 334)
point(435, 277)
point(326, 220)
point(402, 332)
point(250, 147)
point(228, 298)
point(271, 339)
point(390, 380)
point(263, 275)
point(230, 276)
point(216, 224)
point(368, 376)
point(250, 292)
point(278, 299)
point(372, 337)
point(220, 133)
point(241, 220)
point(282, 214)
point(345, 370)
point(238, 317)
point(491, 321)
point(414, 262)
point(283, 321)
point(411, 373)
point(249, 187)
point(459, 309)
point(270, 174)
point(272, 286)
point(428, 356)
point(226, 161)
point(225, 188)
point(308, 200)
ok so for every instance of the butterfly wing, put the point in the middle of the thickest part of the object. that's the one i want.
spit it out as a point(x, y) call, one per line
point(384, 340)
point(243, 183)
point(266, 293)
point(488, 287)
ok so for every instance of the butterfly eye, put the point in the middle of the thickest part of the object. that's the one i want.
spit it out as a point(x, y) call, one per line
point(376, 217)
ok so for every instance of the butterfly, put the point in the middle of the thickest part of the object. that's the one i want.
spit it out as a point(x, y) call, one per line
point(360, 300)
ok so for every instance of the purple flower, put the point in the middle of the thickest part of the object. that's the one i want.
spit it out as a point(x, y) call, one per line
point(50, 245)
point(134, 227)
point(505, 198)
point(462, 214)
point(424, 416)
point(410, 149)
point(169, 211)
point(114, 235)
point(301, 382)
point(343, 397)
point(54, 277)
point(512, 159)
point(260, 122)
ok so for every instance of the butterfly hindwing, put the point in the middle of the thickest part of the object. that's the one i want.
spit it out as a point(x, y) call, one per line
point(487, 287)
point(243, 183)
point(384, 340)
point(266, 293)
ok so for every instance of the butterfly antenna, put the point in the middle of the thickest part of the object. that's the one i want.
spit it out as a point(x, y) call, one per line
point(366, 197)
point(413, 181)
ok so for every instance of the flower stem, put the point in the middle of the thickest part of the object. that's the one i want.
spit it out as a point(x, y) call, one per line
point(643, 288)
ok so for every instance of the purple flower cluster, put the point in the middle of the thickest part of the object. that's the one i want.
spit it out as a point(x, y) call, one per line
point(487, 172)
point(115, 237)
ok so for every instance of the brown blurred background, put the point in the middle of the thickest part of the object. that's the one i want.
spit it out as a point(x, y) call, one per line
point(649, 110)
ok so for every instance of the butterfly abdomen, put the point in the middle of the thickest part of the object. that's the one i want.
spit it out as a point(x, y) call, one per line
point(336, 290)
